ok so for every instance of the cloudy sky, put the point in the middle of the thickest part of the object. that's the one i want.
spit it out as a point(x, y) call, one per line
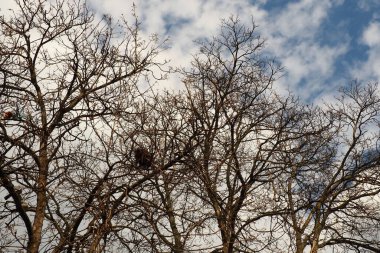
point(322, 44)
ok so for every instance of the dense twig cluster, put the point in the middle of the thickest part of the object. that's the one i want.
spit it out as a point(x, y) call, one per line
point(95, 164)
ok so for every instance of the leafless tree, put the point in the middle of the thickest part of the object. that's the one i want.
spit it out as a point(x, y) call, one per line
point(61, 69)
point(242, 122)
point(332, 183)
point(90, 162)
point(165, 130)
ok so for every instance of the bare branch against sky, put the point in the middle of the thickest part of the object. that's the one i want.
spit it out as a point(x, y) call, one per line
point(147, 128)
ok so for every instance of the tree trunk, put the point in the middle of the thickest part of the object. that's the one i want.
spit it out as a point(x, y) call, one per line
point(35, 241)
point(314, 246)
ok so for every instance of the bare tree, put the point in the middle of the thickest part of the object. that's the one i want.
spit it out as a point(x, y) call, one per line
point(242, 122)
point(332, 182)
point(61, 69)
point(165, 131)
point(90, 162)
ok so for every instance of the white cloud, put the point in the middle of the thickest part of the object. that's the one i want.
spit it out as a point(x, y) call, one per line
point(371, 35)
point(292, 33)
point(301, 19)
point(188, 21)
point(369, 69)
point(294, 38)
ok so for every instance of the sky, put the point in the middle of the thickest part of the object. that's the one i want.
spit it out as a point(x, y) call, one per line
point(321, 44)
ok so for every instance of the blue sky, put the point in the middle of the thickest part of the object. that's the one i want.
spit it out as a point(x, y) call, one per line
point(322, 44)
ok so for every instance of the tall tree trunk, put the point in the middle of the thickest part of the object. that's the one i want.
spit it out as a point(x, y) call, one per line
point(314, 247)
point(35, 241)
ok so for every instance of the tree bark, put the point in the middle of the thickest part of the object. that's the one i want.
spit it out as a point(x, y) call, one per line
point(35, 241)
